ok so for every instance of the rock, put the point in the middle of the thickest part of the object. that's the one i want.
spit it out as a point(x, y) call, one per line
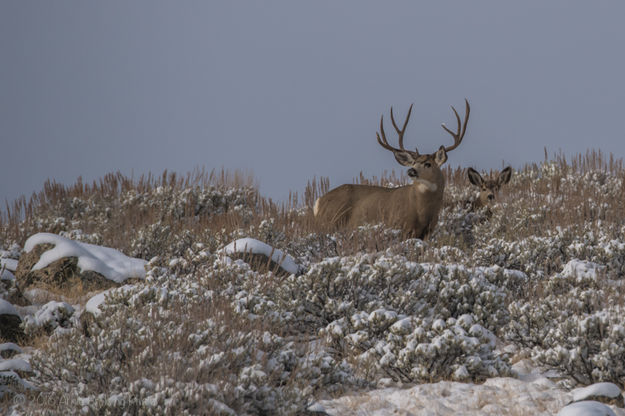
point(10, 321)
point(61, 276)
point(10, 327)
point(608, 393)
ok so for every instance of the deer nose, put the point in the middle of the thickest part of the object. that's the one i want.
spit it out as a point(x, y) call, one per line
point(491, 197)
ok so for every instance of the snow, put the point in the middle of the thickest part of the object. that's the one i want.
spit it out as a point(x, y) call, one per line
point(5, 274)
point(586, 408)
point(106, 261)
point(7, 309)
point(535, 395)
point(495, 396)
point(9, 264)
point(250, 245)
point(598, 389)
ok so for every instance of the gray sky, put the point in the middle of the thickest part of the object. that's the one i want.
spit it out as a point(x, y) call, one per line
point(293, 89)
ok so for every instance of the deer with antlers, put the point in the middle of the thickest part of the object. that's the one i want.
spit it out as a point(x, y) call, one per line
point(412, 208)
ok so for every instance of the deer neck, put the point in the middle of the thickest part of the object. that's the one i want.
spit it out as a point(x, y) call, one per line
point(425, 186)
point(428, 194)
point(429, 187)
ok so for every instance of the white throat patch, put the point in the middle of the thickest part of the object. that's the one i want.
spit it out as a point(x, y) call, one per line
point(424, 185)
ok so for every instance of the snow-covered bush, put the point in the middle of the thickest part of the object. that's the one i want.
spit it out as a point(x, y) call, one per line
point(355, 302)
point(575, 325)
point(51, 316)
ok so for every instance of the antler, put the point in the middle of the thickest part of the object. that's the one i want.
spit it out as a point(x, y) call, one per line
point(461, 128)
point(400, 132)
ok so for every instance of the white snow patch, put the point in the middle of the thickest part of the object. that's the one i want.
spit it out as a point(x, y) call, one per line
point(587, 408)
point(7, 309)
point(250, 245)
point(496, 396)
point(109, 262)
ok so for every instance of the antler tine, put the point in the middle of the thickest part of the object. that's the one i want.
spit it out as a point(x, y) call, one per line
point(383, 142)
point(400, 132)
point(462, 127)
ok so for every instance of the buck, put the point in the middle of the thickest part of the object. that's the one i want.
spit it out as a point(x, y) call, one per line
point(412, 208)
point(489, 188)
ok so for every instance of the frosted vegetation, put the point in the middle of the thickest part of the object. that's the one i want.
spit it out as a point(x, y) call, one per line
point(537, 277)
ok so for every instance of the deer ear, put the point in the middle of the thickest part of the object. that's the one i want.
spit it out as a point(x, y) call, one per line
point(440, 156)
point(474, 177)
point(404, 158)
point(504, 176)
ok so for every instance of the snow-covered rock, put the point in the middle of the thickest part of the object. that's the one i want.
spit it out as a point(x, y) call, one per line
point(247, 246)
point(106, 261)
point(15, 364)
point(8, 349)
point(586, 408)
point(608, 393)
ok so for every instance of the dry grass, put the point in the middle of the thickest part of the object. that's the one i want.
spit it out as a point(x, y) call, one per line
point(540, 197)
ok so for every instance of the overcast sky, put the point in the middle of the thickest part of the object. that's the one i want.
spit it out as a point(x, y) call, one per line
point(293, 89)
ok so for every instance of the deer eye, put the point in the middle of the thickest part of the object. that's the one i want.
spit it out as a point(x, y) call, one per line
point(427, 164)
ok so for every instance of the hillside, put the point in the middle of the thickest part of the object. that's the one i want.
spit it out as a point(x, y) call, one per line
point(523, 298)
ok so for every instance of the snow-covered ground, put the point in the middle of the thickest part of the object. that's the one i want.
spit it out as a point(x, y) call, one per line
point(496, 396)
point(528, 392)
